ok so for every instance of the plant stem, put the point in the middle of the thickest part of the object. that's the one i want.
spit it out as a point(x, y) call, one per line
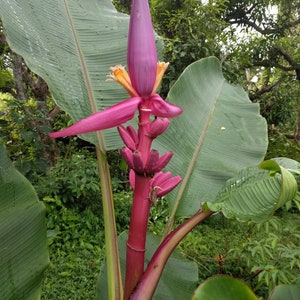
point(149, 280)
point(135, 254)
point(114, 278)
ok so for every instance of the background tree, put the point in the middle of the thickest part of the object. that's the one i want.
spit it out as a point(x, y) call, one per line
point(269, 50)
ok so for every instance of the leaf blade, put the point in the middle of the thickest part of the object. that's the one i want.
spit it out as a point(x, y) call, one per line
point(23, 238)
point(254, 194)
point(220, 132)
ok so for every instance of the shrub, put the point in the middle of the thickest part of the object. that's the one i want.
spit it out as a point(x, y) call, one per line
point(74, 180)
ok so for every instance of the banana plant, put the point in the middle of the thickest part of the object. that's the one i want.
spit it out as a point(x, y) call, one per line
point(201, 147)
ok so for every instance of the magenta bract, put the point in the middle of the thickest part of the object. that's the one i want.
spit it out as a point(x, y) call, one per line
point(107, 118)
point(164, 109)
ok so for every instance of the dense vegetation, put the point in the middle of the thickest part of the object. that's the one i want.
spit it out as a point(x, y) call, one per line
point(264, 58)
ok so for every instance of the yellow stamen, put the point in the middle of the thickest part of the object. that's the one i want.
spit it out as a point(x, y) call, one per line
point(161, 69)
point(120, 75)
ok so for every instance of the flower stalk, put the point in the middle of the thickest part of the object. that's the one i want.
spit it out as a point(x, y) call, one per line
point(135, 253)
point(149, 280)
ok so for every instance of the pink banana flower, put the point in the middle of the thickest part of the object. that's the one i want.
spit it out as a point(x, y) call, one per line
point(144, 77)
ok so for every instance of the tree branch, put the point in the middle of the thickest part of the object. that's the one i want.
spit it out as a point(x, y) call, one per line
point(244, 20)
point(265, 89)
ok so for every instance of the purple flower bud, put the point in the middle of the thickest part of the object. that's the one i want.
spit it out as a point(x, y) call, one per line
point(157, 127)
point(141, 54)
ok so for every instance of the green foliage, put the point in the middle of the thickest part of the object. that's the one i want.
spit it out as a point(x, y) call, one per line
point(85, 90)
point(76, 242)
point(281, 146)
point(22, 127)
point(70, 229)
point(270, 251)
point(74, 180)
point(187, 34)
point(6, 79)
point(85, 85)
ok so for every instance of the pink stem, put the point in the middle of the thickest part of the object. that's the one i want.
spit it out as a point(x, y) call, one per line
point(148, 282)
point(135, 254)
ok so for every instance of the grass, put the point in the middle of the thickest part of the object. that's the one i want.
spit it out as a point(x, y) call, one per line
point(76, 251)
point(72, 275)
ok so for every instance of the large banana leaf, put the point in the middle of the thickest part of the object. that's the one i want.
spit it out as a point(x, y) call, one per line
point(219, 133)
point(286, 291)
point(71, 44)
point(23, 238)
point(254, 194)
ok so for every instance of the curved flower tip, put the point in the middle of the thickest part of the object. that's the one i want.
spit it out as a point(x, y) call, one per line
point(107, 118)
point(164, 109)
point(141, 54)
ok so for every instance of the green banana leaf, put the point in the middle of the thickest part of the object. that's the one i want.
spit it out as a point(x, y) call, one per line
point(71, 44)
point(254, 194)
point(294, 167)
point(219, 133)
point(288, 163)
point(286, 291)
point(224, 288)
point(178, 280)
point(23, 238)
